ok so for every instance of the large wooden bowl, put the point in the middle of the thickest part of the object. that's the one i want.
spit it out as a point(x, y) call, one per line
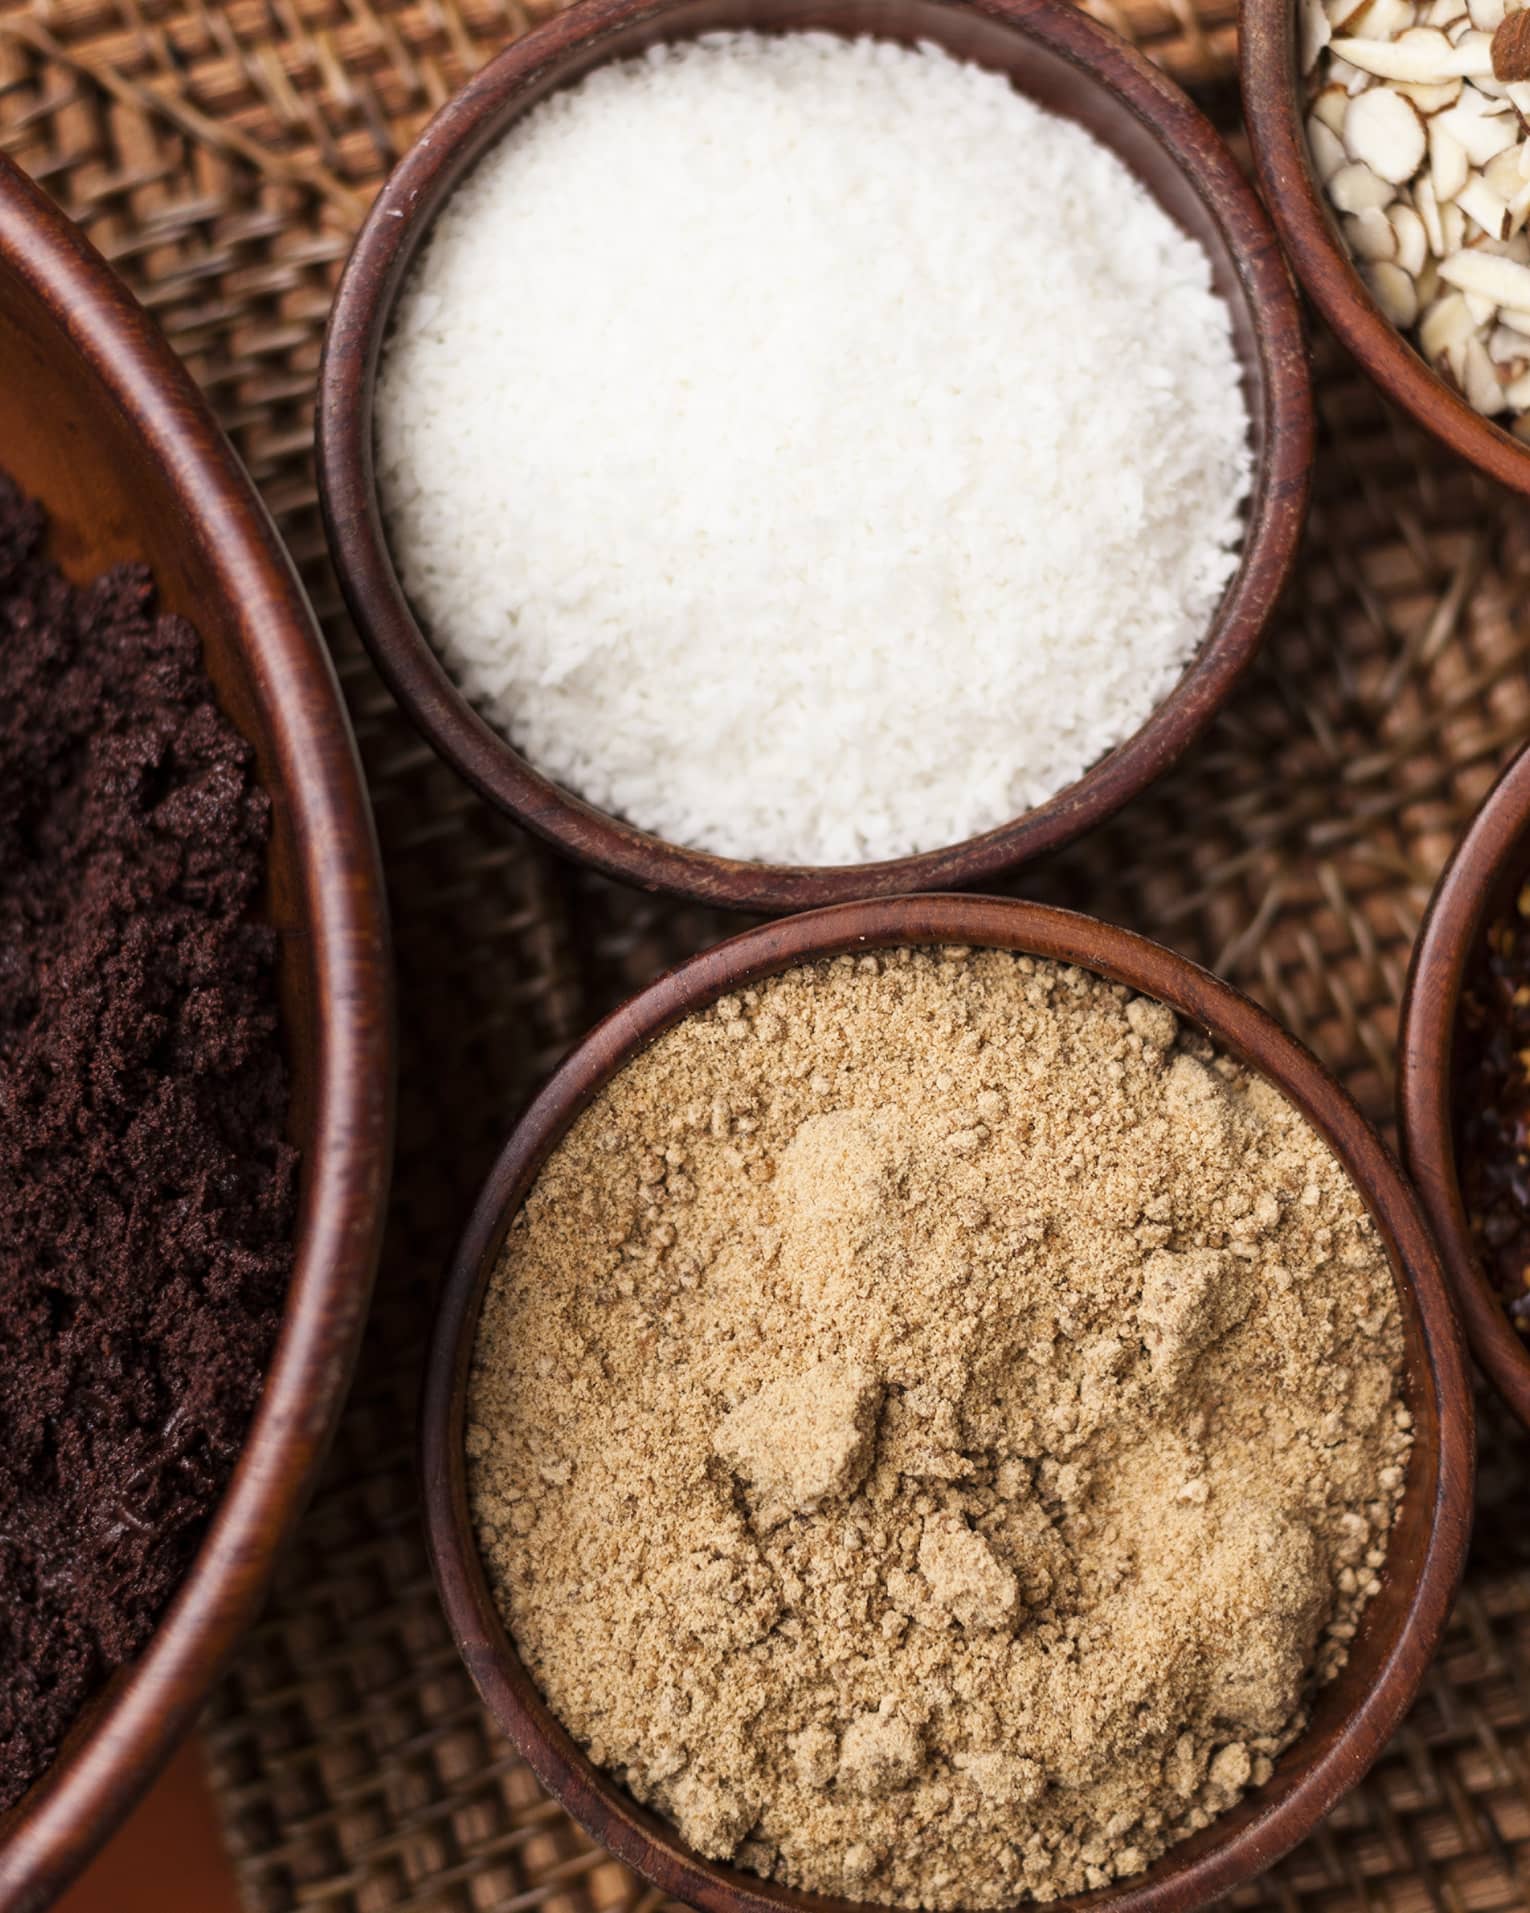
point(99, 420)
point(1068, 64)
point(1480, 882)
point(1272, 108)
point(1352, 1717)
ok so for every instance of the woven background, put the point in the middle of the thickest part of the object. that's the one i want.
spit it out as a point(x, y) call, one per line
point(222, 156)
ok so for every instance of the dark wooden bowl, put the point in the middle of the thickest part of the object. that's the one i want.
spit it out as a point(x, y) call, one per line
point(99, 420)
point(1071, 66)
point(1478, 884)
point(1272, 108)
point(1353, 1717)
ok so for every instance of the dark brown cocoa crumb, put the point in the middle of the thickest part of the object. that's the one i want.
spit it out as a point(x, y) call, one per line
point(1493, 1106)
point(146, 1192)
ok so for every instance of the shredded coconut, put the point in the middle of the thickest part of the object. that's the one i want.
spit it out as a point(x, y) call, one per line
point(809, 449)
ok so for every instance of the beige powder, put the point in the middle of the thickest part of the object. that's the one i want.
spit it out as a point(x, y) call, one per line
point(933, 1424)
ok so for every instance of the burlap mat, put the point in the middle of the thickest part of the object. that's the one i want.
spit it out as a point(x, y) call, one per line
point(222, 155)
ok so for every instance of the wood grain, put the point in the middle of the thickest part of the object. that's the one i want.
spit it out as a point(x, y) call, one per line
point(1352, 1718)
point(1272, 101)
point(1069, 64)
point(99, 420)
point(1479, 883)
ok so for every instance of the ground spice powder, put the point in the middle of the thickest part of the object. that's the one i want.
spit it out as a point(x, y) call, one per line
point(934, 1423)
point(146, 1194)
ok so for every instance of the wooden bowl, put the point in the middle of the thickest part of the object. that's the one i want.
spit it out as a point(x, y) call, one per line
point(99, 420)
point(1478, 884)
point(1353, 1716)
point(1272, 108)
point(1068, 64)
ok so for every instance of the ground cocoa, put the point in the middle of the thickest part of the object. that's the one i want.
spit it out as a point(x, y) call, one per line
point(146, 1191)
point(933, 1425)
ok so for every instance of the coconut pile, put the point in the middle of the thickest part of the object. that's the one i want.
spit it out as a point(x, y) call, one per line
point(1418, 120)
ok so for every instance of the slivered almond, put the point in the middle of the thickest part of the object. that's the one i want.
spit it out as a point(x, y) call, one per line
point(1485, 14)
point(1416, 59)
point(1447, 323)
point(1479, 381)
point(1482, 309)
point(1503, 173)
point(1504, 281)
point(1480, 132)
point(1369, 235)
point(1508, 348)
point(1453, 227)
point(1383, 20)
point(1327, 149)
point(1355, 186)
point(1517, 321)
point(1428, 209)
point(1409, 240)
point(1394, 291)
point(1480, 203)
point(1449, 169)
point(1329, 104)
point(1385, 132)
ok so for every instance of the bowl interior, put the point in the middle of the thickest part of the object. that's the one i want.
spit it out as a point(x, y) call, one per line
point(1273, 104)
point(1070, 66)
point(1479, 885)
point(99, 422)
point(1353, 1715)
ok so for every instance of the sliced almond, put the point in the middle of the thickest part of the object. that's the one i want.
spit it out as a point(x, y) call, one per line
point(1315, 32)
point(1343, 74)
point(1327, 149)
point(1508, 349)
point(1449, 169)
point(1409, 240)
point(1517, 321)
point(1355, 186)
point(1394, 291)
point(1480, 203)
point(1517, 396)
point(1504, 281)
point(1485, 14)
point(1443, 13)
point(1428, 208)
point(1482, 309)
point(1447, 324)
point(1369, 235)
point(1502, 173)
point(1517, 93)
point(1345, 16)
point(1453, 228)
point(1384, 131)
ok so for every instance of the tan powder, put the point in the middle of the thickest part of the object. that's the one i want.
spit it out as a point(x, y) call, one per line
point(934, 1423)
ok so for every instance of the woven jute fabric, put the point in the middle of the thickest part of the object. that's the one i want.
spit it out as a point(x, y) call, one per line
point(221, 156)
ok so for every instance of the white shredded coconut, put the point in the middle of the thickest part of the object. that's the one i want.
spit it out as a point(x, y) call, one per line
point(809, 450)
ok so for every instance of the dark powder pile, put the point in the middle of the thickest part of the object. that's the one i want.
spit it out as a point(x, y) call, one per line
point(146, 1193)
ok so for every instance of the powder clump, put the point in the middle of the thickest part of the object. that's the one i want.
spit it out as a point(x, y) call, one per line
point(934, 1425)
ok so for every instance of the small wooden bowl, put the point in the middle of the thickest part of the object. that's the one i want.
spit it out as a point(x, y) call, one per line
point(1272, 109)
point(1353, 1716)
point(1478, 884)
point(100, 421)
point(1068, 64)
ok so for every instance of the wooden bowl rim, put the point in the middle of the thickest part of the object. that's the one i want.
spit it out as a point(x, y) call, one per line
point(1238, 1025)
point(410, 199)
point(1453, 927)
point(1271, 87)
point(71, 1808)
